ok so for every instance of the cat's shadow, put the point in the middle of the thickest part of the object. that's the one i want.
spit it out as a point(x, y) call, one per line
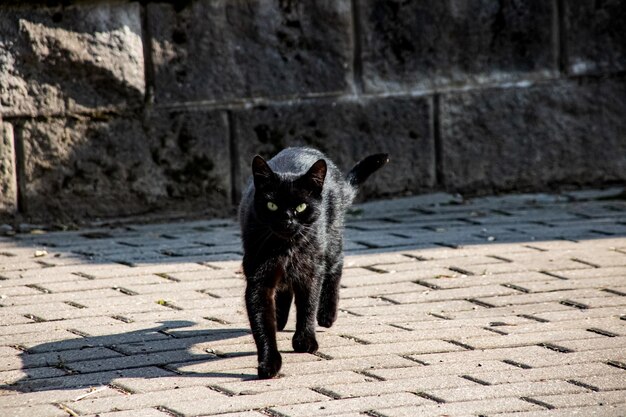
point(152, 352)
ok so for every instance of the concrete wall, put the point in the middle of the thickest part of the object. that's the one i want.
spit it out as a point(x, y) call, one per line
point(114, 108)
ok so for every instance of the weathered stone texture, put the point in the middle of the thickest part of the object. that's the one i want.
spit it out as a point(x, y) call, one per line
point(77, 168)
point(79, 58)
point(347, 131)
point(8, 179)
point(221, 50)
point(596, 36)
point(433, 43)
point(517, 138)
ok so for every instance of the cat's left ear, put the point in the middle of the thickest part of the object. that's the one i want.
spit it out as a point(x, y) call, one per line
point(261, 172)
point(314, 177)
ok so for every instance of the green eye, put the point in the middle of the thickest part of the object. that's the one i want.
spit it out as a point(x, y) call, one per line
point(271, 206)
point(300, 208)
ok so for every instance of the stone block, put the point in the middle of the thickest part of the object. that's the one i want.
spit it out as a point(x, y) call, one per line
point(84, 168)
point(437, 44)
point(533, 138)
point(80, 58)
point(595, 36)
point(347, 131)
point(223, 50)
point(8, 177)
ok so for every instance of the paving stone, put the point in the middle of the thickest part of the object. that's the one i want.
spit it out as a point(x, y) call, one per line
point(584, 399)
point(165, 383)
point(407, 348)
point(212, 50)
point(538, 374)
point(597, 343)
point(61, 359)
point(434, 307)
point(80, 297)
point(526, 339)
point(43, 410)
point(392, 277)
point(125, 282)
point(408, 45)
point(224, 404)
point(147, 412)
point(439, 369)
point(605, 382)
point(425, 296)
point(520, 354)
point(571, 314)
point(590, 273)
point(360, 363)
point(522, 389)
point(478, 407)
point(351, 404)
point(16, 376)
point(322, 380)
point(595, 411)
point(88, 380)
point(460, 334)
point(533, 327)
point(134, 401)
point(413, 384)
point(558, 296)
point(55, 396)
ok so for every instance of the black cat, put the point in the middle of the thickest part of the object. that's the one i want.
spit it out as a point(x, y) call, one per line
point(292, 216)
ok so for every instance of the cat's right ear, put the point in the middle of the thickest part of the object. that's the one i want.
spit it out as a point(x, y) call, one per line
point(261, 172)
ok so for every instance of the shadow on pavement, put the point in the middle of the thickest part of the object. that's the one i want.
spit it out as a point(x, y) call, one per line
point(146, 353)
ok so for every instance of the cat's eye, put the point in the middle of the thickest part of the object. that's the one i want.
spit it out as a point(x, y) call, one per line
point(271, 206)
point(300, 207)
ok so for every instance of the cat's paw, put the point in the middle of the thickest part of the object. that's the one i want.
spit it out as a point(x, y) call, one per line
point(325, 319)
point(305, 343)
point(269, 368)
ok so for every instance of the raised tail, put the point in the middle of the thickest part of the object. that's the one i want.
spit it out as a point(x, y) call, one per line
point(366, 167)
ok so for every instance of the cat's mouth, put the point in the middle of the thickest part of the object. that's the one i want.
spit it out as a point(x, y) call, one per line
point(285, 234)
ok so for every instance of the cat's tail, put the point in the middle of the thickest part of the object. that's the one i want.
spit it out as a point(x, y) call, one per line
point(366, 167)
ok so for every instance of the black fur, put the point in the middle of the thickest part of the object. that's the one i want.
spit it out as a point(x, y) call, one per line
point(290, 254)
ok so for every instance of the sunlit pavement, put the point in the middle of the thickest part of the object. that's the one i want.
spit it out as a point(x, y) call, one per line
point(498, 306)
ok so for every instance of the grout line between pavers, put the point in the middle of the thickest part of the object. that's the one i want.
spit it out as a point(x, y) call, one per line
point(516, 364)
point(430, 397)
point(168, 411)
point(617, 364)
point(326, 392)
point(601, 332)
point(475, 380)
point(583, 385)
point(537, 402)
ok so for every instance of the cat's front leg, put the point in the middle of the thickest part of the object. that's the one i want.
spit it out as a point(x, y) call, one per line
point(329, 297)
point(307, 292)
point(261, 307)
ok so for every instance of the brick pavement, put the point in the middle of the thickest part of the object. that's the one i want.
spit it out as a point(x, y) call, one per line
point(499, 306)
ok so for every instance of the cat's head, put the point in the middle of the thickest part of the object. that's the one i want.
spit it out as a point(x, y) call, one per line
point(288, 205)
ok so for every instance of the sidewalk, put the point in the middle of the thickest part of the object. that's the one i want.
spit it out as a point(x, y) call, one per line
point(503, 306)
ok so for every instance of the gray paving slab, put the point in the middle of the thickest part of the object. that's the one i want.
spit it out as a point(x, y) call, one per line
point(508, 304)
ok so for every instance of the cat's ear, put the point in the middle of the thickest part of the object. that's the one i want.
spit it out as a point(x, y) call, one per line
point(314, 177)
point(261, 172)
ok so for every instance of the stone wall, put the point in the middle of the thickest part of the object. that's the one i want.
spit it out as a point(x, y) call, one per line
point(114, 108)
